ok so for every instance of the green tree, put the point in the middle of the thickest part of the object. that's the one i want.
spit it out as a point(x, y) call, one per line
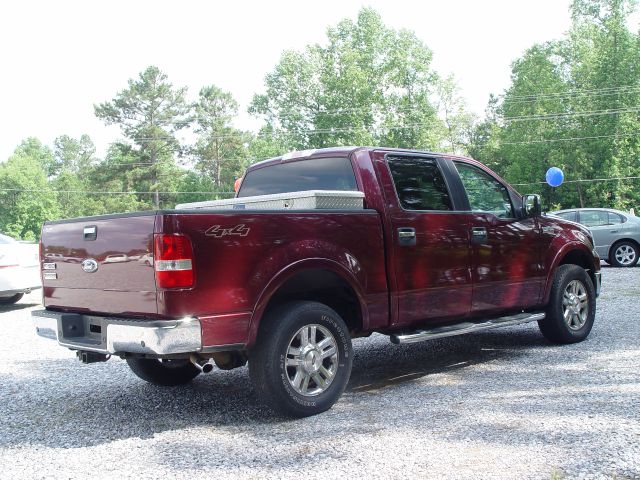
point(150, 112)
point(369, 85)
point(573, 103)
point(220, 148)
point(25, 198)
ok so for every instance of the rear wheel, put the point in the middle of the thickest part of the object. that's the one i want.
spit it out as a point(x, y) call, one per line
point(623, 254)
point(163, 372)
point(572, 306)
point(12, 299)
point(302, 360)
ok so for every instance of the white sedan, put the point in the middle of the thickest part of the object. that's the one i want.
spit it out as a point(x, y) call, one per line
point(19, 269)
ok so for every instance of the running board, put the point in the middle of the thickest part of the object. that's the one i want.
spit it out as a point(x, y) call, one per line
point(465, 327)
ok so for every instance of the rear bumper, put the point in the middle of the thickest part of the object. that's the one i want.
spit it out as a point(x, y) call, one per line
point(110, 335)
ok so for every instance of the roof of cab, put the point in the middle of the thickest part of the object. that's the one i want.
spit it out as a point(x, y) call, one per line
point(338, 151)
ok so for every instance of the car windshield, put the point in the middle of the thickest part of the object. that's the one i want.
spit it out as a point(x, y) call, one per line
point(4, 239)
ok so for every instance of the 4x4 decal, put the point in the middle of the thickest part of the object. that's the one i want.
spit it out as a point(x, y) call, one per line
point(239, 230)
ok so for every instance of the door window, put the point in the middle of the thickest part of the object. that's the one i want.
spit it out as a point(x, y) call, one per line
point(567, 215)
point(615, 219)
point(419, 183)
point(485, 193)
point(594, 218)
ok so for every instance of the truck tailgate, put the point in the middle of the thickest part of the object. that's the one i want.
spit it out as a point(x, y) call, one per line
point(121, 246)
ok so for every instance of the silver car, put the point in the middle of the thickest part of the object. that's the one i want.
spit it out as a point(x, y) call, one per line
point(615, 233)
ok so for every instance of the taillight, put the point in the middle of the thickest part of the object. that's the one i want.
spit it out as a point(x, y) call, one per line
point(173, 261)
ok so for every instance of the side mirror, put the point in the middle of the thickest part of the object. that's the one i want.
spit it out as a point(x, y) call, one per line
point(531, 206)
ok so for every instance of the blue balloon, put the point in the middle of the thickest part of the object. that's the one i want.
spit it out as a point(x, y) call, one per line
point(555, 177)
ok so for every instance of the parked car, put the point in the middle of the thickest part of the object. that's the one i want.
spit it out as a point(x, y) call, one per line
point(616, 233)
point(317, 248)
point(19, 269)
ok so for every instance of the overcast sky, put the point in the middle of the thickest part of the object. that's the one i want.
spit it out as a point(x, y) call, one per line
point(58, 58)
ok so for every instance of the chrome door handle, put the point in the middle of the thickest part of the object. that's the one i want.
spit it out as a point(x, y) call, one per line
point(478, 234)
point(406, 236)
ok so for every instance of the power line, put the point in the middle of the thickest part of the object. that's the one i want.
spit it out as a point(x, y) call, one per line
point(587, 180)
point(553, 140)
point(35, 190)
point(574, 92)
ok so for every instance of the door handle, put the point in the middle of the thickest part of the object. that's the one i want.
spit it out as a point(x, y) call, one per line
point(613, 231)
point(478, 234)
point(406, 236)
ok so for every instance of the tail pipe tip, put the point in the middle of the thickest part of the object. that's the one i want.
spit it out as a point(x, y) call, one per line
point(205, 366)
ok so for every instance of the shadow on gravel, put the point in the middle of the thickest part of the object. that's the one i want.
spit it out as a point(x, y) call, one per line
point(16, 306)
point(64, 404)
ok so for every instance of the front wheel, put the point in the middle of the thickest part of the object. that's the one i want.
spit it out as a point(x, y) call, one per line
point(167, 373)
point(302, 360)
point(623, 254)
point(572, 306)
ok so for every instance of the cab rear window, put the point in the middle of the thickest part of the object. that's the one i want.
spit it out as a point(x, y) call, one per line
point(317, 174)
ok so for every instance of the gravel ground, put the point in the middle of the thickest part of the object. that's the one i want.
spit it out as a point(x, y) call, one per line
point(501, 404)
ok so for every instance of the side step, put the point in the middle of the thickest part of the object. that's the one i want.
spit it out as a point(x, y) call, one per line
point(465, 327)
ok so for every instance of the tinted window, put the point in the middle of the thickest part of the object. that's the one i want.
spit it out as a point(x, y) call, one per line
point(320, 174)
point(485, 193)
point(419, 183)
point(594, 218)
point(614, 218)
point(567, 215)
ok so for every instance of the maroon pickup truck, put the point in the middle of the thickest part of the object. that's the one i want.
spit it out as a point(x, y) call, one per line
point(438, 246)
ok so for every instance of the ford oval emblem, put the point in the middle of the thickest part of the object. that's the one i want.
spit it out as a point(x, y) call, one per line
point(89, 265)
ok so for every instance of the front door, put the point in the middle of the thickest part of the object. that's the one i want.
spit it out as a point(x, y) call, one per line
point(506, 263)
point(430, 247)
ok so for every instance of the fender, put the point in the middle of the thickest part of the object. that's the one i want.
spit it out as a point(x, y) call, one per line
point(559, 256)
point(294, 268)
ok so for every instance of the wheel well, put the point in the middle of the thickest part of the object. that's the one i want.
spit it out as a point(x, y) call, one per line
point(628, 240)
point(323, 286)
point(578, 257)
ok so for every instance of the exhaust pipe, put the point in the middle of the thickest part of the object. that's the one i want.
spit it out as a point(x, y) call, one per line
point(201, 364)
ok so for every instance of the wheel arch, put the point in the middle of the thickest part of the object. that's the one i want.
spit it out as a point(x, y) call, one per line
point(321, 280)
point(572, 254)
point(620, 240)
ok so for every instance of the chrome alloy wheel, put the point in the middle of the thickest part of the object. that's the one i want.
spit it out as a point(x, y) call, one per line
point(575, 305)
point(311, 360)
point(625, 255)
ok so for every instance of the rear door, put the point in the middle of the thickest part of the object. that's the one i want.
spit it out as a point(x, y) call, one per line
point(430, 244)
point(506, 264)
point(605, 232)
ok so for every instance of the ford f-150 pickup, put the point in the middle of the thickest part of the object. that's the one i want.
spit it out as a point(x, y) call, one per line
point(318, 247)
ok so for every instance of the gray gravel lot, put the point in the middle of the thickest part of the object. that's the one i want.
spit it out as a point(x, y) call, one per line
point(501, 404)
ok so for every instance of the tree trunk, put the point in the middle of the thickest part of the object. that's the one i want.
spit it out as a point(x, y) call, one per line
point(154, 178)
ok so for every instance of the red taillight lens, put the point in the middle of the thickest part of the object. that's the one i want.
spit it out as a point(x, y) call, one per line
point(173, 261)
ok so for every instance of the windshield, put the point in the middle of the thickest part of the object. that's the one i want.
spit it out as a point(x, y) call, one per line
point(4, 239)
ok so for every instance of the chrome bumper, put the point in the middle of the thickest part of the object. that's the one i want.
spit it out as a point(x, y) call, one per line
point(598, 284)
point(110, 335)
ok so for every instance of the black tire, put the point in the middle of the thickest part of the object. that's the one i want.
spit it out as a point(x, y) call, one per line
point(12, 299)
point(279, 332)
point(167, 373)
point(554, 326)
point(627, 252)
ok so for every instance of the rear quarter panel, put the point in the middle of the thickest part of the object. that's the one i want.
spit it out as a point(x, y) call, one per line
point(240, 258)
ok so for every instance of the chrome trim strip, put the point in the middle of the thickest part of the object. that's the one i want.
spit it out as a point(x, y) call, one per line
point(463, 328)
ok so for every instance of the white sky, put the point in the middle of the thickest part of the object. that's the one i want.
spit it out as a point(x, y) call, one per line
point(58, 58)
